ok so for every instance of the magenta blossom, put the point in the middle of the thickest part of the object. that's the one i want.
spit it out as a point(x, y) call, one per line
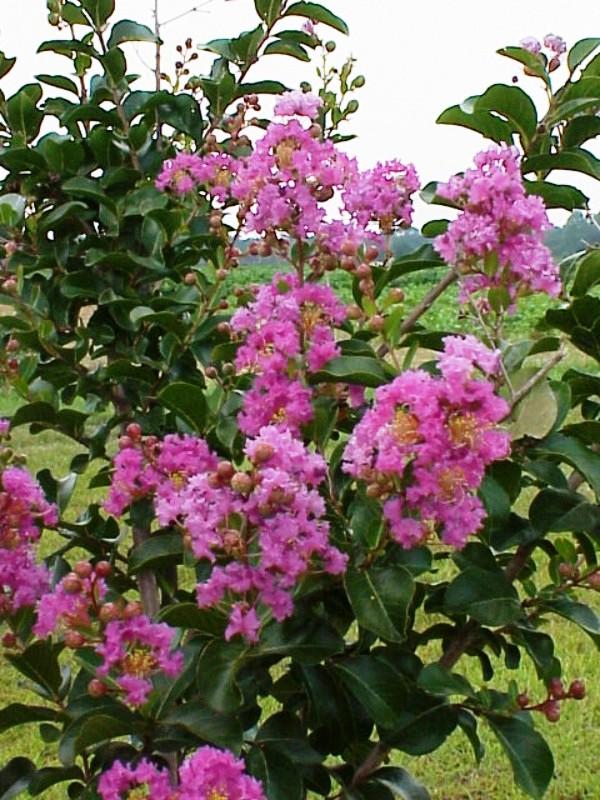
point(212, 774)
point(123, 781)
point(426, 442)
point(298, 104)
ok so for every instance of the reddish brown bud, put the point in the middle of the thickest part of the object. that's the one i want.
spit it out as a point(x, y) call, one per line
point(262, 453)
point(103, 569)
point(348, 248)
point(134, 431)
point(83, 569)
point(371, 253)
point(396, 295)
point(552, 710)
point(189, 278)
point(96, 688)
point(211, 373)
point(225, 470)
point(363, 271)
point(221, 274)
point(566, 570)
point(373, 490)
point(132, 609)
point(74, 640)
point(354, 311)
point(125, 442)
point(9, 639)
point(377, 323)
point(522, 700)
point(241, 482)
point(72, 584)
point(556, 688)
point(109, 612)
point(224, 328)
point(12, 345)
point(577, 690)
point(594, 580)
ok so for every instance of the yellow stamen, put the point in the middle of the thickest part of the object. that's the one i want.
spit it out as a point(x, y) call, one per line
point(405, 427)
point(279, 415)
point(139, 662)
point(139, 793)
point(218, 794)
point(464, 429)
point(449, 481)
point(178, 479)
point(311, 316)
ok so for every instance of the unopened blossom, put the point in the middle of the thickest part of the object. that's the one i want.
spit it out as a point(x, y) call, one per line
point(70, 607)
point(298, 104)
point(263, 529)
point(555, 43)
point(145, 780)
point(212, 774)
point(133, 651)
point(425, 444)
point(497, 239)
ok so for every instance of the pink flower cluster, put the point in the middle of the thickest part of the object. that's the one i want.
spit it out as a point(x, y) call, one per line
point(556, 46)
point(134, 650)
point(424, 446)
point(208, 774)
point(284, 183)
point(298, 104)
point(146, 466)
point(23, 511)
point(287, 328)
point(187, 171)
point(497, 239)
point(382, 196)
point(69, 605)
point(265, 527)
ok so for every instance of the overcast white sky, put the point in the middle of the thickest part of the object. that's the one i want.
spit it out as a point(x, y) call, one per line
point(418, 58)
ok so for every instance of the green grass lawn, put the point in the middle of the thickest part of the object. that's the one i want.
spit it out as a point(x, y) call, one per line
point(450, 772)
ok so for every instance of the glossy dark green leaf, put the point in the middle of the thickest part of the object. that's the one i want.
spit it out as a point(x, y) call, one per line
point(59, 82)
point(95, 727)
point(307, 641)
point(401, 783)
point(21, 113)
point(581, 50)
point(217, 668)
point(39, 663)
point(532, 61)
point(434, 678)
point(575, 453)
point(160, 550)
point(423, 258)
point(186, 400)
point(208, 621)
point(50, 776)
point(22, 713)
point(487, 596)
point(424, 730)
point(126, 30)
point(268, 10)
point(99, 10)
point(583, 616)
point(6, 64)
point(208, 725)
point(317, 13)
point(380, 597)
point(286, 48)
point(510, 102)
point(529, 755)
point(588, 273)
point(557, 195)
point(279, 776)
point(15, 777)
point(284, 732)
point(489, 125)
point(351, 369)
point(577, 160)
point(376, 687)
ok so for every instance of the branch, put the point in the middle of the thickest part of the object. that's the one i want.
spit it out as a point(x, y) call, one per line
point(534, 380)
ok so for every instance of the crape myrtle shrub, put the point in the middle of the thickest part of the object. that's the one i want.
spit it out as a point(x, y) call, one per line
point(317, 513)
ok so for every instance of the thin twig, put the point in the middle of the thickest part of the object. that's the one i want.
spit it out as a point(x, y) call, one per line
point(192, 10)
point(524, 390)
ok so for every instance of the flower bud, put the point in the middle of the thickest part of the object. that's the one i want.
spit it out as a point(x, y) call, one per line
point(522, 700)
point(109, 612)
point(396, 295)
point(134, 431)
point(211, 373)
point(224, 328)
point(9, 639)
point(96, 688)
point(83, 569)
point(363, 271)
point(552, 710)
point(594, 580)
point(262, 453)
point(352, 106)
point(577, 690)
point(556, 688)
point(242, 483)
point(125, 442)
point(377, 323)
point(103, 569)
point(566, 570)
point(132, 609)
point(72, 583)
point(330, 46)
point(225, 470)
point(371, 253)
point(189, 278)
point(358, 82)
point(74, 640)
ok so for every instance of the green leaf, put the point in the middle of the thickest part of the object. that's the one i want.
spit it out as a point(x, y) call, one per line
point(268, 10)
point(425, 730)
point(39, 663)
point(580, 130)
point(488, 597)
point(307, 641)
point(380, 598)
point(126, 30)
point(401, 783)
point(583, 616)
point(86, 187)
point(555, 510)
point(94, 727)
point(351, 369)
point(12, 209)
point(580, 51)
point(286, 48)
point(317, 13)
point(557, 195)
point(187, 401)
point(423, 258)
point(577, 160)
point(510, 102)
point(529, 755)
point(15, 777)
point(22, 115)
point(49, 776)
point(59, 82)
point(279, 776)
point(261, 87)
point(208, 725)
point(217, 668)
point(160, 550)
point(489, 125)
point(531, 61)
point(376, 686)
point(207, 621)
point(536, 413)
point(6, 64)
point(284, 732)
point(587, 275)
point(434, 678)
point(22, 713)
point(575, 453)
point(99, 10)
